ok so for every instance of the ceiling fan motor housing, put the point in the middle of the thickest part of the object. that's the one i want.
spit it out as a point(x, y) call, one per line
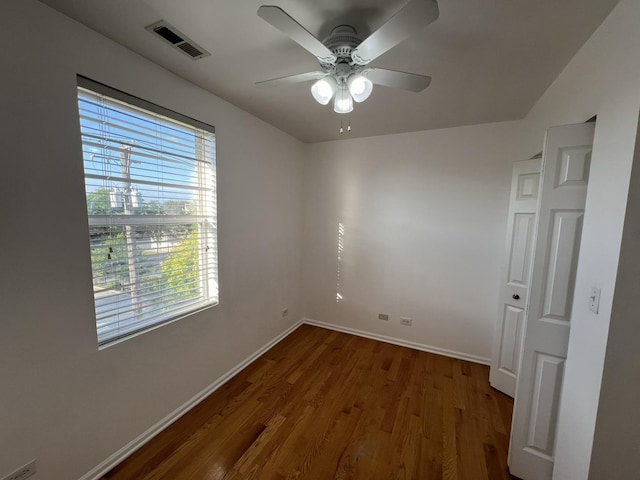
point(342, 41)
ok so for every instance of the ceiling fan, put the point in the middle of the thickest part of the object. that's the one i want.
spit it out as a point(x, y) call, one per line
point(344, 57)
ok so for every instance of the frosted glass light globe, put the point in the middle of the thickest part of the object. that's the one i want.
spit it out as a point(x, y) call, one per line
point(343, 102)
point(323, 90)
point(360, 87)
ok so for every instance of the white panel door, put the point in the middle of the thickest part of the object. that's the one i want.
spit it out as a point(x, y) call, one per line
point(566, 160)
point(516, 273)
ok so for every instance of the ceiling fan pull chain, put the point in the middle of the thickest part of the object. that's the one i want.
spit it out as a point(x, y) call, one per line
point(349, 126)
point(341, 129)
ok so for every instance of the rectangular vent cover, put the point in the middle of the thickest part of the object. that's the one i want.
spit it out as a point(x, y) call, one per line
point(177, 40)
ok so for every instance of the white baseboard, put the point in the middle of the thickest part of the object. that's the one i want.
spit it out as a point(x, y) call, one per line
point(109, 463)
point(401, 342)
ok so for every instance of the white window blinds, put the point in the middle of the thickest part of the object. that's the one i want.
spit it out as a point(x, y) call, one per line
point(151, 199)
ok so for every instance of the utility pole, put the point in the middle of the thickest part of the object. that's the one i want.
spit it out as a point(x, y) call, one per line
point(129, 231)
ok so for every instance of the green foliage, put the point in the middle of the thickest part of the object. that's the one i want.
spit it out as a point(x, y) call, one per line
point(109, 261)
point(151, 208)
point(181, 268)
point(98, 202)
point(179, 207)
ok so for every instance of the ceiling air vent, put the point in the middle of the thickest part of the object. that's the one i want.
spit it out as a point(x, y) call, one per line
point(178, 40)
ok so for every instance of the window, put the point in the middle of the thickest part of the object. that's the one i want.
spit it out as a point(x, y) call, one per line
point(150, 186)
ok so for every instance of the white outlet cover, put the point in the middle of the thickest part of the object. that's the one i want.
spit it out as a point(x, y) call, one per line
point(405, 321)
point(23, 472)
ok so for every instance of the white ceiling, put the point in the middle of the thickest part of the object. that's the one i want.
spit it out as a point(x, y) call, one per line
point(490, 59)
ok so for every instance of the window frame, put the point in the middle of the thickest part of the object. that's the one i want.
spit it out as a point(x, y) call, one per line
point(204, 220)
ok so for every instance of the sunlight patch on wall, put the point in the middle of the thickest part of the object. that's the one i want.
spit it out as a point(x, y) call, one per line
point(340, 253)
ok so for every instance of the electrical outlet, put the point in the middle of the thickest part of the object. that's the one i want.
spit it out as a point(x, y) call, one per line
point(405, 321)
point(23, 472)
point(383, 316)
point(285, 312)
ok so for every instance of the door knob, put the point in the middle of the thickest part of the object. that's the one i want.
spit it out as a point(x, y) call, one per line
point(515, 296)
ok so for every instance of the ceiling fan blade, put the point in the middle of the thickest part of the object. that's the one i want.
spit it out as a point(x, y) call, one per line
point(290, 79)
point(414, 16)
point(287, 25)
point(392, 78)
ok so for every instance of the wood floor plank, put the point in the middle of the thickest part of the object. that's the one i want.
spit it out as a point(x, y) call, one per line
point(324, 405)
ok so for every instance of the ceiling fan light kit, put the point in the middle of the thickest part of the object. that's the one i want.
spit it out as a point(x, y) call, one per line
point(344, 57)
point(355, 88)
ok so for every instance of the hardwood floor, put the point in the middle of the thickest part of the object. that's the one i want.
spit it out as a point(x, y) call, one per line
point(326, 405)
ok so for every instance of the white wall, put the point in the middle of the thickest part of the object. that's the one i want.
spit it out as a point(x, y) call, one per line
point(616, 446)
point(603, 79)
point(424, 216)
point(61, 400)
